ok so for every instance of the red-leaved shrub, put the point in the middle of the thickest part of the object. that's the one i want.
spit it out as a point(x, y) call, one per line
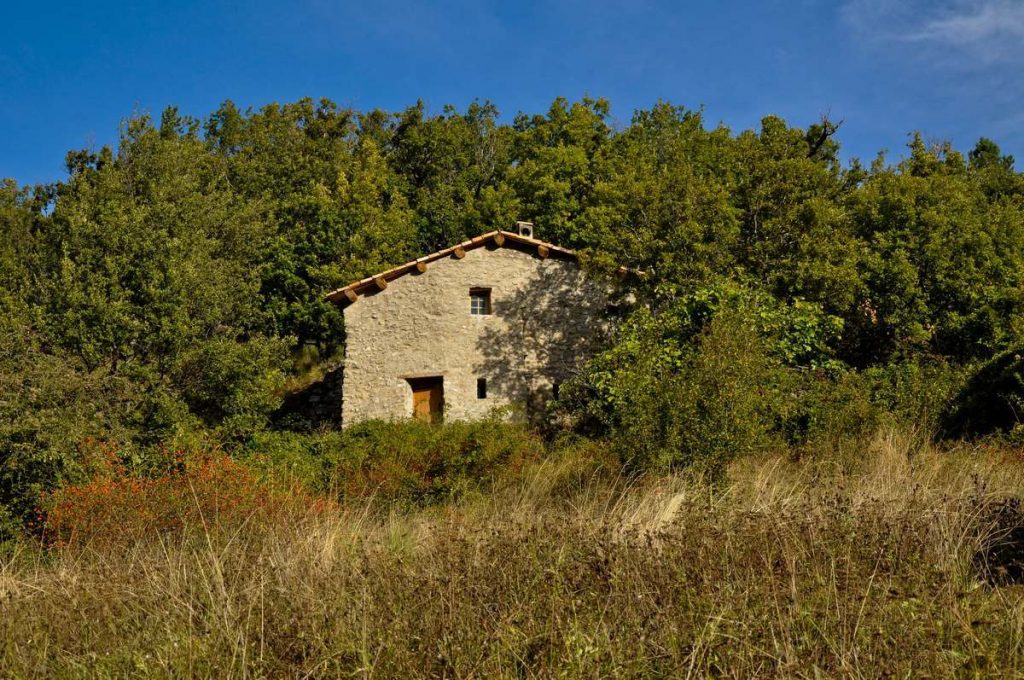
point(208, 492)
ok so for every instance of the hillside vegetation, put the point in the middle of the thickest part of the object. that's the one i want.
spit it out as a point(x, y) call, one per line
point(798, 453)
point(883, 564)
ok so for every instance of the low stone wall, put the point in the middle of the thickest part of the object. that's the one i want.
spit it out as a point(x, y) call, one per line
point(315, 406)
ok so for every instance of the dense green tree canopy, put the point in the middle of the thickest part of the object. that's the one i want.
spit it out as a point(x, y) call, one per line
point(178, 279)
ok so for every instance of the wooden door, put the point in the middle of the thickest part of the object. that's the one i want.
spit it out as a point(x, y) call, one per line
point(427, 399)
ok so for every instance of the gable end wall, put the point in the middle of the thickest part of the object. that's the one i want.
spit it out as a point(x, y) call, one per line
point(546, 320)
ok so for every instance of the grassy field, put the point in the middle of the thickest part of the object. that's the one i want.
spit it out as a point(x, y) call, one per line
point(866, 563)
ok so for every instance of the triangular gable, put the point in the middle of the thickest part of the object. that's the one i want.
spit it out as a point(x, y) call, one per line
point(498, 238)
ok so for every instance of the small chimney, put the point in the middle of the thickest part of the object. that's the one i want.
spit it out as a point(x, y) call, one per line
point(525, 229)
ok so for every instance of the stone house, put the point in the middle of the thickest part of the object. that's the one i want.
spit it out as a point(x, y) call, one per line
point(499, 320)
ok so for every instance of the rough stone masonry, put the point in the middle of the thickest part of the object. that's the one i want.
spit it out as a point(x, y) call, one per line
point(545, 318)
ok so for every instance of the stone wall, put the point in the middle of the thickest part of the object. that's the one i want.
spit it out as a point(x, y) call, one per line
point(314, 406)
point(547, 317)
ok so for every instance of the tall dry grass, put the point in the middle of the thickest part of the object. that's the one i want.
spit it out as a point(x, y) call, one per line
point(864, 566)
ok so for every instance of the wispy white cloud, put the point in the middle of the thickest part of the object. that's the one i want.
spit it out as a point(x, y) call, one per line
point(987, 30)
point(997, 23)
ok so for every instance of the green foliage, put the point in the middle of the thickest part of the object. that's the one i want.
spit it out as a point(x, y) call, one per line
point(991, 400)
point(168, 288)
point(729, 370)
point(409, 462)
point(844, 409)
point(943, 270)
point(708, 379)
point(49, 407)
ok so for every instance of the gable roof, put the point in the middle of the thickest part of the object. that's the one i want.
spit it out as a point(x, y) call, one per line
point(498, 237)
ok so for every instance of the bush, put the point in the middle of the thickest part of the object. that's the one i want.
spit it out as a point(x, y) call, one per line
point(671, 403)
point(726, 371)
point(52, 407)
point(422, 463)
point(843, 409)
point(207, 491)
point(991, 400)
point(49, 408)
point(121, 496)
point(397, 461)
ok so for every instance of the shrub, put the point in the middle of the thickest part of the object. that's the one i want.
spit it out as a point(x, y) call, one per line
point(294, 457)
point(724, 372)
point(421, 463)
point(405, 461)
point(671, 397)
point(991, 400)
point(232, 385)
point(49, 405)
point(843, 409)
point(207, 491)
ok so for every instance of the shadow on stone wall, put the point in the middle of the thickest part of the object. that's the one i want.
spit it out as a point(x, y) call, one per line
point(555, 323)
point(315, 406)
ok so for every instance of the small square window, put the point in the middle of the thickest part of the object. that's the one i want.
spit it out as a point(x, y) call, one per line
point(479, 301)
point(481, 388)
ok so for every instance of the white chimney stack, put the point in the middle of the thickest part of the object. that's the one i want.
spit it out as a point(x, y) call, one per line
point(525, 229)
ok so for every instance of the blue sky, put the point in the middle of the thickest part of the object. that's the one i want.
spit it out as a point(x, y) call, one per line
point(71, 71)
